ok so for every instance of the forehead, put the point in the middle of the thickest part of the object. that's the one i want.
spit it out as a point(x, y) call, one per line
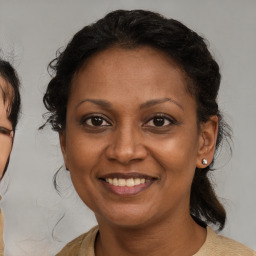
point(143, 70)
point(119, 58)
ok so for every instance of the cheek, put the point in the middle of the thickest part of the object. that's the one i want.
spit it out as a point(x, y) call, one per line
point(178, 150)
point(81, 161)
point(83, 153)
point(178, 156)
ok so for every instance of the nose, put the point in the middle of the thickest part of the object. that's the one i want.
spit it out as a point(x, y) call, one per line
point(126, 146)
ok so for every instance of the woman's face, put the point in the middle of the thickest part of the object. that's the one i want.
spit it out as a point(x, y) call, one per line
point(131, 141)
point(6, 133)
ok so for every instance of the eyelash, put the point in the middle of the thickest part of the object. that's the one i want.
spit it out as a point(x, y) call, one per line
point(104, 123)
point(96, 116)
point(171, 121)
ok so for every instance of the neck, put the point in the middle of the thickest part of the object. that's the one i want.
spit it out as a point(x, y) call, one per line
point(172, 238)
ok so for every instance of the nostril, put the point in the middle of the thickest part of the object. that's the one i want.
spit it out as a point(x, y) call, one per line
point(126, 145)
point(126, 154)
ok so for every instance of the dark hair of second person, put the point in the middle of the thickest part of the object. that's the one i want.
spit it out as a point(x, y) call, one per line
point(10, 95)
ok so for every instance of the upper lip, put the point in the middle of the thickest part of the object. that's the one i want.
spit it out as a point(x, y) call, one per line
point(127, 176)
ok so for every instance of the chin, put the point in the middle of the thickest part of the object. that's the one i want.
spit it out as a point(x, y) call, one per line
point(126, 217)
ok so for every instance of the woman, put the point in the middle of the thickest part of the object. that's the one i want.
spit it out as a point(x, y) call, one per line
point(133, 99)
point(9, 113)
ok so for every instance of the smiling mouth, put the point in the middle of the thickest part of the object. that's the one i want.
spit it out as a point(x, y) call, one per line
point(131, 182)
point(127, 184)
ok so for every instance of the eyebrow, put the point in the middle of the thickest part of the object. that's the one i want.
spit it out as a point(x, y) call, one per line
point(147, 104)
point(151, 103)
point(102, 103)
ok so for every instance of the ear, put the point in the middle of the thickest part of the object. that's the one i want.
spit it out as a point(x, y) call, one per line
point(207, 141)
point(62, 138)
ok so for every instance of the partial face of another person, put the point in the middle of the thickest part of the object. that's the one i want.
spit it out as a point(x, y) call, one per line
point(132, 140)
point(6, 133)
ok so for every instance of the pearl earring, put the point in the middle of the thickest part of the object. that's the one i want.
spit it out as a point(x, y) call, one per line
point(204, 161)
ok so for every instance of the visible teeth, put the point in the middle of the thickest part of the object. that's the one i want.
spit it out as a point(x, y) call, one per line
point(115, 182)
point(109, 180)
point(121, 182)
point(126, 182)
point(130, 182)
point(137, 181)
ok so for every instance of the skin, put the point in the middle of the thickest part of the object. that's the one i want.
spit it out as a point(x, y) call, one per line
point(133, 86)
point(6, 134)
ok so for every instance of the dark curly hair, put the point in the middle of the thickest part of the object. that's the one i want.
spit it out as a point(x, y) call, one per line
point(130, 29)
point(10, 94)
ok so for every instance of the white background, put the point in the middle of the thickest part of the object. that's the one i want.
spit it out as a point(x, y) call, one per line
point(30, 34)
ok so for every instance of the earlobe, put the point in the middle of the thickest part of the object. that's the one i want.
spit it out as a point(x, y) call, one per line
point(207, 142)
point(62, 138)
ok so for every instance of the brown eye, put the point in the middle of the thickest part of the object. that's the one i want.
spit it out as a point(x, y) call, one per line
point(158, 121)
point(96, 121)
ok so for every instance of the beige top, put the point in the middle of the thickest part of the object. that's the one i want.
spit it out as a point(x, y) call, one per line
point(215, 245)
point(1, 235)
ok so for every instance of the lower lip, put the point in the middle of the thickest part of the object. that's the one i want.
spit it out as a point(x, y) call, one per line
point(127, 191)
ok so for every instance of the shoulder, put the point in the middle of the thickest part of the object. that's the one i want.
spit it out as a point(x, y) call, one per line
point(218, 245)
point(232, 247)
point(84, 242)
